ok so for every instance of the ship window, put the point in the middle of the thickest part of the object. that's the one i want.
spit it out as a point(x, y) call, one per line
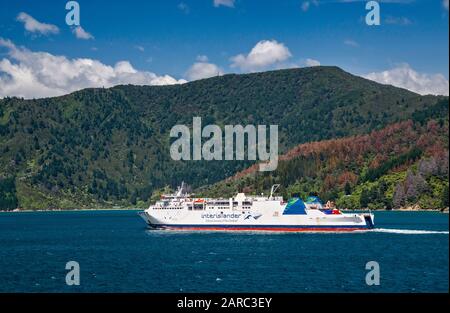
point(198, 206)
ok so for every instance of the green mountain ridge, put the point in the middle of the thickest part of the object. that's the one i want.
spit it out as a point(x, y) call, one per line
point(104, 147)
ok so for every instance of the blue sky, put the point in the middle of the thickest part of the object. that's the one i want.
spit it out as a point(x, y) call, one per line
point(169, 37)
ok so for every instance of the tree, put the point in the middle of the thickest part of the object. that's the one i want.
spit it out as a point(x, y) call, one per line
point(444, 197)
point(415, 184)
point(133, 198)
point(347, 188)
point(364, 199)
point(399, 195)
point(348, 202)
point(8, 198)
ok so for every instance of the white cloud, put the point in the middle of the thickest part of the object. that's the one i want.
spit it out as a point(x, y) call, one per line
point(226, 3)
point(380, 1)
point(202, 58)
point(405, 77)
point(140, 48)
point(312, 62)
point(203, 69)
point(29, 74)
point(80, 33)
point(183, 7)
point(351, 43)
point(265, 53)
point(445, 4)
point(34, 26)
point(307, 4)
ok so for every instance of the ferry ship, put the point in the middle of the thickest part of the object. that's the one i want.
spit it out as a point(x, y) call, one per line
point(182, 211)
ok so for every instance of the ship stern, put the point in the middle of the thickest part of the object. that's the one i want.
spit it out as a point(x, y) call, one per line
point(369, 218)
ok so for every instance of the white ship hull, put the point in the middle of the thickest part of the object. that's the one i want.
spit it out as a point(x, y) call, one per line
point(350, 223)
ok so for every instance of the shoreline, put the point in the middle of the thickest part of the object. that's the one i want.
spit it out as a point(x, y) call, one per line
point(445, 210)
point(68, 210)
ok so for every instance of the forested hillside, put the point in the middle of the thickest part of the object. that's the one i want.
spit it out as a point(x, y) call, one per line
point(404, 164)
point(105, 147)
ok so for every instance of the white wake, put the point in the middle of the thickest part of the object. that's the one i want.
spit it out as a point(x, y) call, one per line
point(407, 231)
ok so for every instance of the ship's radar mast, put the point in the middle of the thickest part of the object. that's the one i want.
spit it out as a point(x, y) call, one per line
point(272, 191)
point(181, 190)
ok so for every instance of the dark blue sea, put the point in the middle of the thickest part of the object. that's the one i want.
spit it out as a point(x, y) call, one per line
point(116, 253)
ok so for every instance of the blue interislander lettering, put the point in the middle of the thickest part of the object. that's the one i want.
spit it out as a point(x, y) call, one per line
point(221, 215)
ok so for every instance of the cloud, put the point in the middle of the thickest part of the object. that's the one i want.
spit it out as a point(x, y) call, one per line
point(203, 69)
point(351, 43)
point(445, 4)
point(265, 53)
point(80, 33)
point(405, 77)
point(28, 74)
point(183, 7)
point(202, 58)
point(34, 26)
point(312, 62)
point(307, 4)
point(379, 1)
point(225, 3)
point(140, 48)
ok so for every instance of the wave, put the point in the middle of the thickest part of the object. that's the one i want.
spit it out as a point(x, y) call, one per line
point(408, 231)
point(167, 232)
